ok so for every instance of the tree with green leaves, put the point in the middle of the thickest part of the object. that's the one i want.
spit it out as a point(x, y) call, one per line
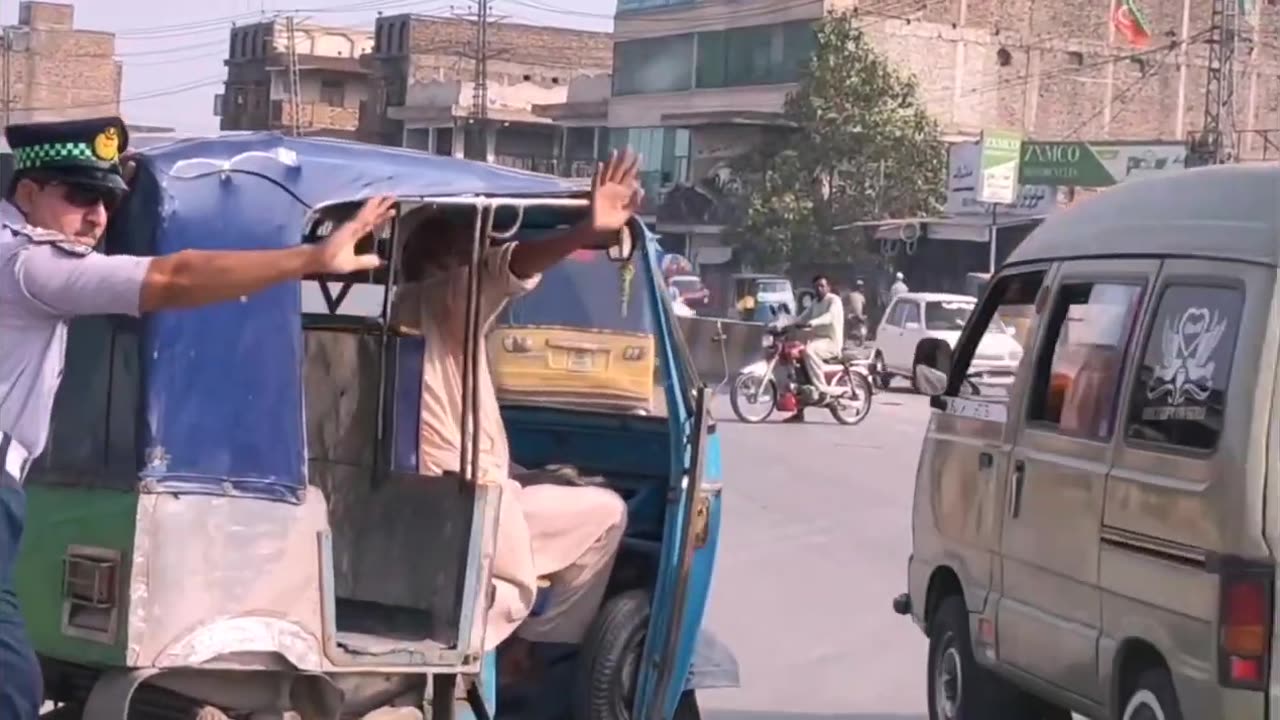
point(862, 147)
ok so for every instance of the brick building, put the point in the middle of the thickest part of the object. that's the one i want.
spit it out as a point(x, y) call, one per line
point(54, 71)
point(422, 91)
point(333, 81)
point(698, 81)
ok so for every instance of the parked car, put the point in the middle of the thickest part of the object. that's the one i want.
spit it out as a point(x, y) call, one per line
point(692, 291)
point(915, 317)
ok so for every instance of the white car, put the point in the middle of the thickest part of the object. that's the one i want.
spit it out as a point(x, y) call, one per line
point(912, 317)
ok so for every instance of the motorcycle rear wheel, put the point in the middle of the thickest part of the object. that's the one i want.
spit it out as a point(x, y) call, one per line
point(858, 407)
point(768, 395)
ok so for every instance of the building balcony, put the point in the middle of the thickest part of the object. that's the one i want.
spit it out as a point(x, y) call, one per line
point(314, 116)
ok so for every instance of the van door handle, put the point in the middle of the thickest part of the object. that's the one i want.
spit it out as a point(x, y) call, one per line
point(1015, 492)
point(985, 461)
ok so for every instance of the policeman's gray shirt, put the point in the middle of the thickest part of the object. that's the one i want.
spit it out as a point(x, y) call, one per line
point(42, 286)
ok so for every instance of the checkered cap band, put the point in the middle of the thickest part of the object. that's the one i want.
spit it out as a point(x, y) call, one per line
point(34, 156)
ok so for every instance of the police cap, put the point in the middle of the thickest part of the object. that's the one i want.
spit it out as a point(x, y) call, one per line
point(85, 152)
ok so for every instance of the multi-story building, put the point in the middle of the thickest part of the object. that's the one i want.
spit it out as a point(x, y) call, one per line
point(698, 81)
point(424, 91)
point(332, 81)
point(55, 71)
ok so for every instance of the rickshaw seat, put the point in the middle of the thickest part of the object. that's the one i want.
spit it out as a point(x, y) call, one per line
point(398, 539)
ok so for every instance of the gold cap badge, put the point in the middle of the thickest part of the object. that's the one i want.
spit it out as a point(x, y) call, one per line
point(107, 145)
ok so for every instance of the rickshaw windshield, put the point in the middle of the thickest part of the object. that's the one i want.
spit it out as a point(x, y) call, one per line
point(772, 286)
point(584, 338)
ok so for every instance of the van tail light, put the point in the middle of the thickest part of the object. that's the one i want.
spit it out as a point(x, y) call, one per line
point(1244, 623)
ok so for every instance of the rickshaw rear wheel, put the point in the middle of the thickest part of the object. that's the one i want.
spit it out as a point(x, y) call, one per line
point(611, 659)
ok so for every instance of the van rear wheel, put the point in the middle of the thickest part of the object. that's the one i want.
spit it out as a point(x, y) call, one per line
point(960, 688)
point(1152, 698)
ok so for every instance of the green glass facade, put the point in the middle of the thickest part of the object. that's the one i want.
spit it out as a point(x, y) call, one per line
point(740, 57)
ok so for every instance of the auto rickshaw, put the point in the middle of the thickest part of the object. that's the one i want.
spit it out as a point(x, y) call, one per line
point(759, 297)
point(229, 515)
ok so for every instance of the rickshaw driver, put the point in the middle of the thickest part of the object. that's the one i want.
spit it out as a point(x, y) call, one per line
point(68, 178)
point(567, 534)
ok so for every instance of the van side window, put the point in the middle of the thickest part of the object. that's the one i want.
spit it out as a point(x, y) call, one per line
point(1180, 392)
point(1008, 309)
point(1076, 384)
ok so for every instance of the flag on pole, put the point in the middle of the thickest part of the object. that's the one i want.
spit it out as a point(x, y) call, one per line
point(1131, 23)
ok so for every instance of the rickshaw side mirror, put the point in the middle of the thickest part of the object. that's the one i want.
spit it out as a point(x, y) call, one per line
point(623, 247)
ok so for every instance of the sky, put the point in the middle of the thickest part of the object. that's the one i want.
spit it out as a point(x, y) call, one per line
point(173, 49)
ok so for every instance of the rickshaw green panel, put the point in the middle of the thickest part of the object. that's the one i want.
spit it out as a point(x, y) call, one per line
point(58, 517)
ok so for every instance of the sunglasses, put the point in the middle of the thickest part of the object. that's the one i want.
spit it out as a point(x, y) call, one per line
point(87, 196)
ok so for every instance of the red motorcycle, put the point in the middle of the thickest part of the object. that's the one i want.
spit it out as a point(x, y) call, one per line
point(779, 381)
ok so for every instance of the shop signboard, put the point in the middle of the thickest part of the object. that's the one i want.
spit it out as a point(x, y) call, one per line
point(1097, 164)
point(1001, 152)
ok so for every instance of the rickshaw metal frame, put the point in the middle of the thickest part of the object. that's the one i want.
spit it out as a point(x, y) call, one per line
point(486, 209)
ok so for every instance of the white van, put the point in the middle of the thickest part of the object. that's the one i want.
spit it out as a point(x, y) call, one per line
point(1102, 538)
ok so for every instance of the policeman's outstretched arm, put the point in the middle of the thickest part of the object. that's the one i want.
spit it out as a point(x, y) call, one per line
point(65, 279)
point(192, 278)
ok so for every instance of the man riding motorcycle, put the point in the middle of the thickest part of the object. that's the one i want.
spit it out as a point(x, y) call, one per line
point(825, 316)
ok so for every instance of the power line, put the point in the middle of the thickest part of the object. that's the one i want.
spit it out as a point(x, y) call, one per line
point(165, 92)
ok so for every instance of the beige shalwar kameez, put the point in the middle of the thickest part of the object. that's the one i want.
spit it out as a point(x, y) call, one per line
point(569, 535)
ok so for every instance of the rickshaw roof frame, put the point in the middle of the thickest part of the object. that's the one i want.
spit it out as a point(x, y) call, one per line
point(181, 187)
point(344, 166)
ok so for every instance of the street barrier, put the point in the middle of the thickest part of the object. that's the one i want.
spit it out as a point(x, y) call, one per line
point(720, 347)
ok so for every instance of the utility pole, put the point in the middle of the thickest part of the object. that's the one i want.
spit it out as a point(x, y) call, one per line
point(480, 91)
point(476, 144)
point(4, 93)
point(1216, 143)
point(295, 92)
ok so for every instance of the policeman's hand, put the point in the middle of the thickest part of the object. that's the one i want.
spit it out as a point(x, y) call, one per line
point(337, 254)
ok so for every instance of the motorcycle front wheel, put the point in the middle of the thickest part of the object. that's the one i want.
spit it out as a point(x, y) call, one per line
point(855, 408)
point(753, 397)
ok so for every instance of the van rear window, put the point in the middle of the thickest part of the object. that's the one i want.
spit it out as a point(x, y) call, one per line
point(1180, 394)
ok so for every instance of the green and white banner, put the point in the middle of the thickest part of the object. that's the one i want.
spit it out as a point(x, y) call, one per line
point(998, 167)
point(1097, 164)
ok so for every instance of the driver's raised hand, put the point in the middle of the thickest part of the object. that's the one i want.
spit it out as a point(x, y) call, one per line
point(337, 254)
point(616, 193)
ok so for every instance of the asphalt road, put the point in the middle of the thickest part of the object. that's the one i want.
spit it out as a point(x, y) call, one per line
point(813, 549)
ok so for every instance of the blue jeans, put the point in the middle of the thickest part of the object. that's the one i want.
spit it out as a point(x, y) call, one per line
point(21, 686)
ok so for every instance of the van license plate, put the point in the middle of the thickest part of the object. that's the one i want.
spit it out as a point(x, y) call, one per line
point(580, 361)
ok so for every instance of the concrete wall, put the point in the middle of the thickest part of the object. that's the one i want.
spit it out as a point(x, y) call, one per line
point(527, 58)
point(308, 38)
point(56, 72)
point(1053, 70)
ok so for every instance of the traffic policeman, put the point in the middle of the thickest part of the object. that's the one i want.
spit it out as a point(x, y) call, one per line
point(68, 178)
